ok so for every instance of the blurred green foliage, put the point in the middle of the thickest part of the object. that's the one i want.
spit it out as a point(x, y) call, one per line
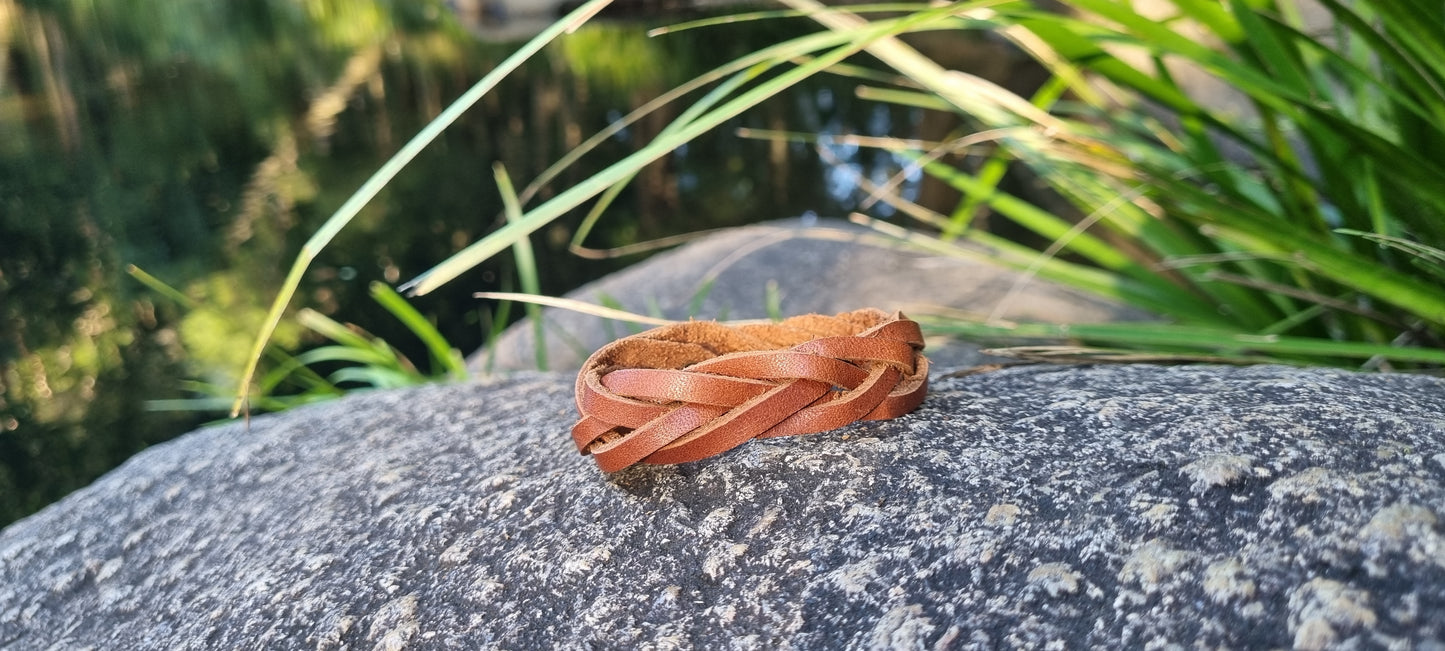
point(203, 142)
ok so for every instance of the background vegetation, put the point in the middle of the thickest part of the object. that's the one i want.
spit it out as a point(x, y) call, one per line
point(204, 142)
point(1265, 182)
point(1263, 179)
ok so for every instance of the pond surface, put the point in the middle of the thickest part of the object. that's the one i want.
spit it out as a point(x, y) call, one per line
point(203, 142)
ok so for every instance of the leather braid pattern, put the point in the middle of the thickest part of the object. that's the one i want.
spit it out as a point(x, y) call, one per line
point(692, 390)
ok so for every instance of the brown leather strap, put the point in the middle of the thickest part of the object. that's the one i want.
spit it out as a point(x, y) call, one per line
point(692, 390)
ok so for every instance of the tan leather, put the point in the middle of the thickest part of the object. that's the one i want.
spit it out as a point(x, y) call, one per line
point(692, 390)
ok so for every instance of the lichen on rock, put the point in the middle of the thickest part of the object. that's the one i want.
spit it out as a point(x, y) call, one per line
point(1000, 513)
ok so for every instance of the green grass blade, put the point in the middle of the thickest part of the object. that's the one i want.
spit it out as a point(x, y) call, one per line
point(610, 302)
point(992, 249)
point(294, 371)
point(911, 98)
point(604, 311)
point(1416, 28)
point(219, 403)
point(985, 100)
point(1404, 84)
point(526, 264)
point(1425, 257)
point(446, 358)
point(694, 305)
point(377, 377)
point(731, 19)
point(385, 173)
point(1361, 274)
point(1144, 335)
point(499, 240)
point(1043, 223)
point(691, 113)
point(992, 171)
point(1212, 14)
point(337, 354)
point(1077, 41)
point(1272, 53)
point(1401, 63)
point(805, 43)
point(773, 300)
point(334, 330)
point(160, 287)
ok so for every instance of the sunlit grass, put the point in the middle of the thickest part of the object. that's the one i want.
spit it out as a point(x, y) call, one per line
point(824, 49)
point(1258, 245)
point(359, 359)
point(1308, 230)
point(385, 174)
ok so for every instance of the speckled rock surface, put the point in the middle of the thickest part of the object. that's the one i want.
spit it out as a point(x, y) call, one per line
point(820, 266)
point(1036, 506)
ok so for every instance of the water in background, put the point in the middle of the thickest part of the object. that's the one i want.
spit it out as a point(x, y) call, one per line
point(205, 141)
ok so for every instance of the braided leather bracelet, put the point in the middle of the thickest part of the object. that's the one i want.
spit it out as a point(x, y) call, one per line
point(692, 390)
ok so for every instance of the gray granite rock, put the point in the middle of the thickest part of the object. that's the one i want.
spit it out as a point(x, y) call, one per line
point(820, 266)
point(1037, 506)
